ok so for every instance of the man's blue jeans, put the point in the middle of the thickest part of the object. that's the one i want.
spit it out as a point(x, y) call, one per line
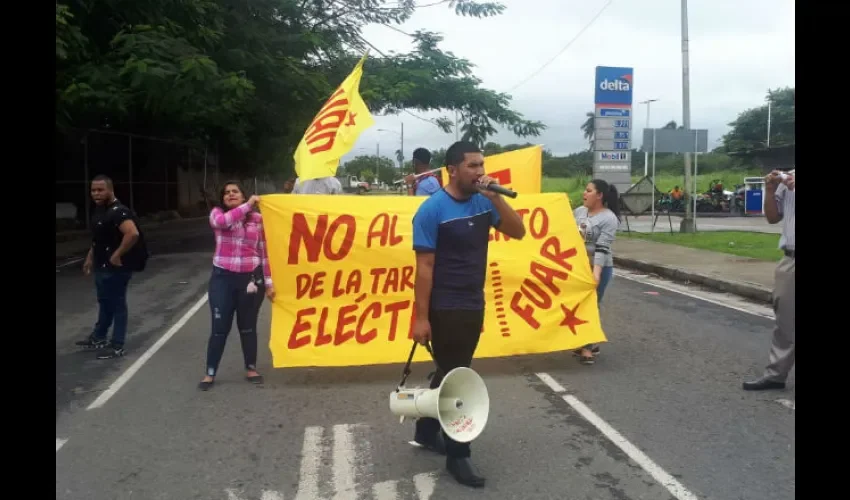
point(111, 286)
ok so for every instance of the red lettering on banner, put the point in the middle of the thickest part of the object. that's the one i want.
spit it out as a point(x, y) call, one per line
point(350, 321)
point(383, 227)
point(320, 240)
point(352, 285)
point(309, 283)
point(326, 124)
point(537, 224)
point(551, 249)
point(393, 282)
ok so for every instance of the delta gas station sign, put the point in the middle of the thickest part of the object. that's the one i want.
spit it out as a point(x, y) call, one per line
point(612, 144)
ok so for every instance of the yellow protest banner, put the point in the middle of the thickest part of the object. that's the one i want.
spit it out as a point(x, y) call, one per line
point(344, 269)
point(520, 170)
point(334, 130)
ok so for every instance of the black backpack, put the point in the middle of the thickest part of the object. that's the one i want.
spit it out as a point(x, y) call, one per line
point(136, 258)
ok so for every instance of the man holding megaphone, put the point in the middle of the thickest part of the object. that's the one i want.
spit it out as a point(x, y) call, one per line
point(450, 238)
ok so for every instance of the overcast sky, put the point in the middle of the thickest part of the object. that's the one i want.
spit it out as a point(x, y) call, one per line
point(738, 50)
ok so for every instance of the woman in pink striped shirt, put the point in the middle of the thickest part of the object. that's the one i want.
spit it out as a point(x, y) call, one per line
point(240, 277)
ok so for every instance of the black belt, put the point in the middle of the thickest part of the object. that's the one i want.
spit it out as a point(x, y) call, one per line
point(790, 253)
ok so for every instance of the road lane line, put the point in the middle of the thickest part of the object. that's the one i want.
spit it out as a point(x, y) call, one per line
point(787, 403)
point(343, 463)
point(127, 375)
point(60, 443)
point(551, 382)
point(424, 484)
point(271, 495)
point(311, 461)
point(387, 490)
point(670, 288)
point(675, 488)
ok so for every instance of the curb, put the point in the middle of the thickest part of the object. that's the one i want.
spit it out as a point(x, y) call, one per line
point(750, 291)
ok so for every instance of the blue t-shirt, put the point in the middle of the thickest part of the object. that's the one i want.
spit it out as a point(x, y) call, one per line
point(427, 186)
point(457, 231)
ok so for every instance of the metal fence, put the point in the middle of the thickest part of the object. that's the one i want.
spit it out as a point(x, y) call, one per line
point(145, 170)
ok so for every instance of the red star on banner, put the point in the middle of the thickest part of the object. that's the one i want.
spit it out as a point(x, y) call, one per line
point(571, 321)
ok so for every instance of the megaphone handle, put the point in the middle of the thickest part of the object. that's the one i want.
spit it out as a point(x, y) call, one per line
point(406, 371)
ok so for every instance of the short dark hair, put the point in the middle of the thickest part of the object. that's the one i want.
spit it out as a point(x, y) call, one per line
point(422, 155)
point(104, 178)
point(457, 152)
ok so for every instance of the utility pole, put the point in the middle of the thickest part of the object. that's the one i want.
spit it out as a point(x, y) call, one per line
point(401, 161)
point(687, 225)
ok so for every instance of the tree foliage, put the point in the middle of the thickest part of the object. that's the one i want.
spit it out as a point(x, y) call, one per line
point(251, 75)
point(749, 130)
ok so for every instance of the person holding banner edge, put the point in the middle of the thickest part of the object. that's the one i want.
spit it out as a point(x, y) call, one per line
point(598, 220)
point(240, 277)
point(451, 237)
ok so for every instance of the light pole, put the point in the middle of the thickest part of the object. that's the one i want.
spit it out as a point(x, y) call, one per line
point(648, 102)
point(401, 149)
point(769, 104)
point(687, 225)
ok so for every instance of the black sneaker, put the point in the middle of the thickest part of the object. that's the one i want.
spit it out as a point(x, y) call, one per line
point(92, 343)
point(113, 352)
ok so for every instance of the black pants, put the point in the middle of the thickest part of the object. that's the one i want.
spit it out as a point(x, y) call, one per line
point(228, 296)
point(454, 337)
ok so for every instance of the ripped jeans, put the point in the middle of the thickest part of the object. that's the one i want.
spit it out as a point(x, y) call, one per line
point(228, 296)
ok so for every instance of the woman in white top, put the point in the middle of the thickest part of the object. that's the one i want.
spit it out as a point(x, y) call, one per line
point(598, 220)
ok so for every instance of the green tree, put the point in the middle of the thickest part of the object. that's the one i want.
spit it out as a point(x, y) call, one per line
point(749, 130)
point(252, 75)
point(372, 167)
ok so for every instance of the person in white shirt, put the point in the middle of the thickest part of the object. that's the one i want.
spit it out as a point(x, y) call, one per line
point(322, 185)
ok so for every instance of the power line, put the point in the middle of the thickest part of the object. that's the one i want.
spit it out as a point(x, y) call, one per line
point(564, 48)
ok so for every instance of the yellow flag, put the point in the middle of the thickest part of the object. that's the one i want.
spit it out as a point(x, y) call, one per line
point(334, 130)
point(520, 170)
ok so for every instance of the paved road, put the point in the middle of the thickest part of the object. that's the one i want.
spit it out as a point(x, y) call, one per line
point(666, 390)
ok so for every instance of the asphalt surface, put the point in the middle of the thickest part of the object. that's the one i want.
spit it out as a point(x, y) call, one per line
point(668, 382)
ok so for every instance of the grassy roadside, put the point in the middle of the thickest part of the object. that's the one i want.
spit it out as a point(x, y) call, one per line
point(762, 246)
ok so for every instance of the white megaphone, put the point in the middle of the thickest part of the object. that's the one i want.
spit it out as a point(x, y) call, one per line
point(461, 404)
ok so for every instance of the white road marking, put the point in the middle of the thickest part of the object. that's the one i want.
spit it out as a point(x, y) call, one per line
point(233, 494)
point(424, 484)
point(127, 375)
point(344, 457)
point(551, 382)
point(311, 460)
point(387, 490)
point(787, 403)
point(721, 299)
point(669, 482)
point(271, 495)
point(60, 443)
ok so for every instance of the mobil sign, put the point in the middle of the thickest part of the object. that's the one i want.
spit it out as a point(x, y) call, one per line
point(614, 86)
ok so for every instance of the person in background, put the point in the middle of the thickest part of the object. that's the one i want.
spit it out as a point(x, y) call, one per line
point(114, 235)
point(288, 185)
point(598, 220)
point(322, 185)
point(240, 276)
point(781, 357)
point(425, 185)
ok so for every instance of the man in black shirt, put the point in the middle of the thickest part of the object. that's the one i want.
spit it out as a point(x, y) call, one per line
point(114, 235)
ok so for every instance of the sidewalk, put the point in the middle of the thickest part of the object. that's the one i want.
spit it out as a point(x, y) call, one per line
point(74, 244)
point(742, 276)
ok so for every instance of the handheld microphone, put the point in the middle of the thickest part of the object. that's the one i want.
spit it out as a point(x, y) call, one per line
point(501, 190)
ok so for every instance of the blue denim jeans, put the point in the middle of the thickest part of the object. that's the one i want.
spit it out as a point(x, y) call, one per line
point(111, 287)
point(604, 280)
